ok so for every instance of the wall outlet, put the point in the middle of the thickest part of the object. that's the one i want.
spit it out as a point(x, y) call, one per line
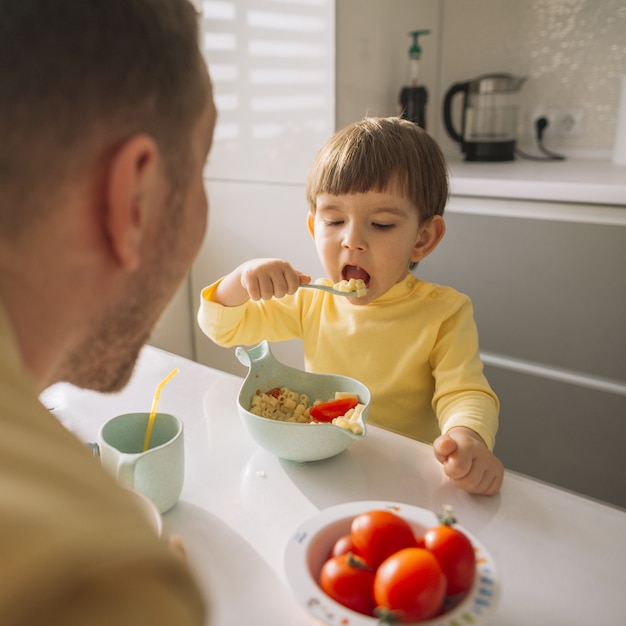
point(561, 123)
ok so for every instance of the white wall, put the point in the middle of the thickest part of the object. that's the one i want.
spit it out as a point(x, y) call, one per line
point(372, 55)
point(174, 331)
point(573, 53)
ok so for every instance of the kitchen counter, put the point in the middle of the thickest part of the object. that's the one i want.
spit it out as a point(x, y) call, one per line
point(577, 180)
point(560, 557)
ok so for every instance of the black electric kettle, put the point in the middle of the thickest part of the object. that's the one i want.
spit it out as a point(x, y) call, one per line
point(489, 116)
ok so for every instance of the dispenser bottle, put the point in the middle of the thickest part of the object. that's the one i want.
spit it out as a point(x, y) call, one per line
point(413, 97)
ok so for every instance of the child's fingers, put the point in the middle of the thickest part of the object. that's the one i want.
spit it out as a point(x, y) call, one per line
point(272, 279)
point(457, 466)
point(303, 279)
point(443, 447)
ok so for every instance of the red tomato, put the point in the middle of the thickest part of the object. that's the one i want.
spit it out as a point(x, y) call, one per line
point(343, 545)
point(348, 580)
point(378, 534)
point(328, 411)
point(455, 553)
point(410, 585)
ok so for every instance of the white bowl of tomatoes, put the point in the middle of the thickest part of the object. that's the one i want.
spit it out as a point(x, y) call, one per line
point(376, 562)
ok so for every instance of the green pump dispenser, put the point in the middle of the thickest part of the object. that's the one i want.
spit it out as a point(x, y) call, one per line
point(413, 97)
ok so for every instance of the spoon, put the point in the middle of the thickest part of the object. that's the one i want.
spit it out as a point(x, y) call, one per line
point(336, 292)
point(155, 403)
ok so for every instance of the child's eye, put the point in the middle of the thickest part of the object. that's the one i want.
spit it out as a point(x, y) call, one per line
point(333, 222)
point(383, 226)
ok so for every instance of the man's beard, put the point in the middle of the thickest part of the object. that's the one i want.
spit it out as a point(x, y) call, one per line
point(105, 359)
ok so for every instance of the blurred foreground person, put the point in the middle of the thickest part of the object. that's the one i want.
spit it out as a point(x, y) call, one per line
point(106, 120)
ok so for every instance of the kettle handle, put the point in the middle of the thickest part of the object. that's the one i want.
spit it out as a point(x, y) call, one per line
point(447, 109)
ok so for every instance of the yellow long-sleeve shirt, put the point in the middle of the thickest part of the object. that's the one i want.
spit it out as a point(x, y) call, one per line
point(415, 347)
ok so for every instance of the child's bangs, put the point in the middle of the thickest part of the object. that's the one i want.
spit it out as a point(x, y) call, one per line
point(382, 155)
point(362, 167)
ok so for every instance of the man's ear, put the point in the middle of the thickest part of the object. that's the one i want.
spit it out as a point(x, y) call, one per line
point(310, 222)
point(430, 233)
point(130, 189)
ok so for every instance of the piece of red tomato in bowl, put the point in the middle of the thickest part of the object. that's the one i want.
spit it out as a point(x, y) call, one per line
point(328, 411)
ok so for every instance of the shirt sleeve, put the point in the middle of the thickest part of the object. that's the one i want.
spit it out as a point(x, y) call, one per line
point(462, 395)
point(277, 319)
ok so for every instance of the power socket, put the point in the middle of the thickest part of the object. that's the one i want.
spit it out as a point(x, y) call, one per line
point(561, 123)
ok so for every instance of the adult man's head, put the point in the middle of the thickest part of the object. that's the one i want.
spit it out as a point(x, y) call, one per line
point(106, 119)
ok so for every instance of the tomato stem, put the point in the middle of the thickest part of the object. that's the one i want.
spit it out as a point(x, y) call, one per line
point(358, 563)
point(447, 518)
point(386, 616)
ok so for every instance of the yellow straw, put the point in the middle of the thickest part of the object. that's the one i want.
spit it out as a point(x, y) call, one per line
point(155, 403)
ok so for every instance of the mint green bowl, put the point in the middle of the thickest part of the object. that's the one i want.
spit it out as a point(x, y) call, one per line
point(288, 440)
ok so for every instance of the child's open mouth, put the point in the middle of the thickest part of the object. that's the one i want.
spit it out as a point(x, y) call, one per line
point(352, 271)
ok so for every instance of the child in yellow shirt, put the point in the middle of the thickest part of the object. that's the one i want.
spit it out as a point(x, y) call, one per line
point(376, 192)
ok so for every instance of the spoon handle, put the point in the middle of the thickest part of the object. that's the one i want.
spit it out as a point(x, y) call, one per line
point(350, 294)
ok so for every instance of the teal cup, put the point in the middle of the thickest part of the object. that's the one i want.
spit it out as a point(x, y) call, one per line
point(157, 473)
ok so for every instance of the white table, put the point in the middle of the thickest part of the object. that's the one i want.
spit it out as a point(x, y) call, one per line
point(561, 557)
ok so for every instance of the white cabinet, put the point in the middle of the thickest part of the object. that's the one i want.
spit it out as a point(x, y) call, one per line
point(549, 292)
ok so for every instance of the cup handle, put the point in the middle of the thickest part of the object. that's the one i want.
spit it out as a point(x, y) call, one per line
point(125, 472)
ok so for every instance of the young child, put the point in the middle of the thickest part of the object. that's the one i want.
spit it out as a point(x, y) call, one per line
point(376, 192)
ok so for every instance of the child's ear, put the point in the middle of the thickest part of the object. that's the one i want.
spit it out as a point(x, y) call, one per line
point(430, 233)
point(310, 222)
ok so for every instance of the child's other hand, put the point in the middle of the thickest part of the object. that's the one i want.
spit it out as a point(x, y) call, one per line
point(467, 461)
point(268, 278)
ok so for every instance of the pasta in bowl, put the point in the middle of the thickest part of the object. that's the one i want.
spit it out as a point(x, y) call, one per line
point(284, 422)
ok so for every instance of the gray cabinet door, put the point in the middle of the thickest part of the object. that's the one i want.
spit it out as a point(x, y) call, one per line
point(550, 304)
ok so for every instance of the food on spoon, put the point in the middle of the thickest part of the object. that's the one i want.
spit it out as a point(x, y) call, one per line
point(285, 405)
point(356, 285)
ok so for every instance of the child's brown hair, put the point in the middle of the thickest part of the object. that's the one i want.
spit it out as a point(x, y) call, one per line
point(376, 152)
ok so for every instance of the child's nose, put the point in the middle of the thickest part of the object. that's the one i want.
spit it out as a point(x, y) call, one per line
point(353, 239)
